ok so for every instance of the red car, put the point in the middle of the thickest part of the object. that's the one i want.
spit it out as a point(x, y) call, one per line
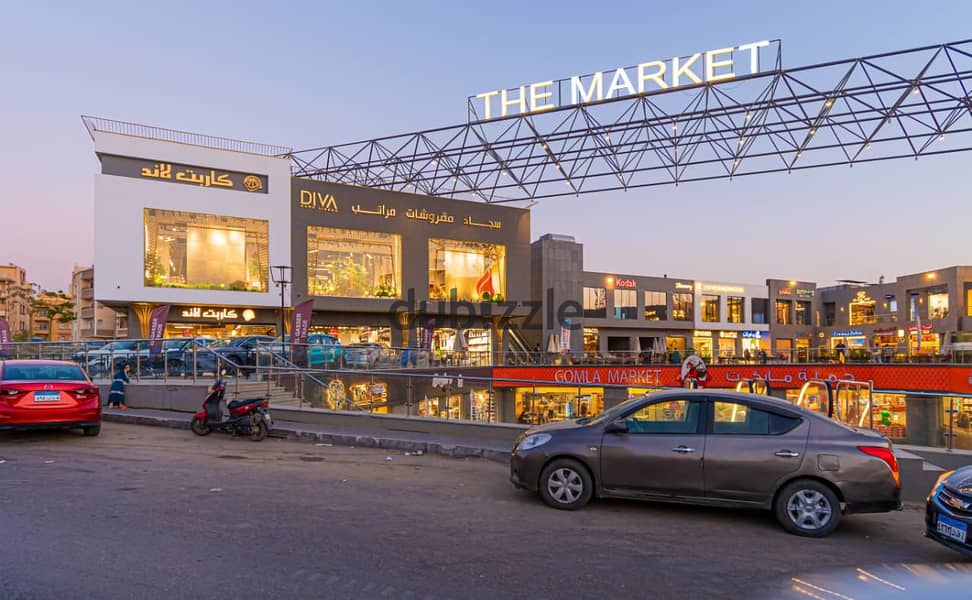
point(41, 394)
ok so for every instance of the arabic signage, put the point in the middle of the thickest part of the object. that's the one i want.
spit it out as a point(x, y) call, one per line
point(124, 166)
point(754, 335)
point(215, 313)
point(924, 327)
point(930, 378)
point(625, 283)
point(322, 202)
point(710, 66)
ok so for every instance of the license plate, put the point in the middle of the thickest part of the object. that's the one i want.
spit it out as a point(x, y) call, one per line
point(47, 396)
point(952, 529)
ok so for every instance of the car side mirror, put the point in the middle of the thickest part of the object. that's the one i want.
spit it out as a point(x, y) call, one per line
point(619, 426)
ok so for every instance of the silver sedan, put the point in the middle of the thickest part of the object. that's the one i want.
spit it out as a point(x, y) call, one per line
point(714, 448)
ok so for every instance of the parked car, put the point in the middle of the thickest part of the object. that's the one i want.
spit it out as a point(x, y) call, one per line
point(361, 355)
point(242, 351)
point(103, 360)
point(322, 350)
point(948, 510)
point(177, 356)
point(758, 452)
point(46, 394)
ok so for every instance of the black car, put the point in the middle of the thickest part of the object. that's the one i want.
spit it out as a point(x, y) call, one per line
point(948, 510)
point(243, 351)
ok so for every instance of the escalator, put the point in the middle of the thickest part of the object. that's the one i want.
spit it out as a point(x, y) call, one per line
point(519, 351)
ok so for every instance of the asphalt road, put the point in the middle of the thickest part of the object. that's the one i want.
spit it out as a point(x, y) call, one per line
point(143, 512)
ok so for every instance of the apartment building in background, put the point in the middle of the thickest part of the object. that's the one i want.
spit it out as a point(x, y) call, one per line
point(15, 309)
point(94, 320)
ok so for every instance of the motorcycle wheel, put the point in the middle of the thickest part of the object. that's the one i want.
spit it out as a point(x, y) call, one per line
point(199, 427)
point(259, 430)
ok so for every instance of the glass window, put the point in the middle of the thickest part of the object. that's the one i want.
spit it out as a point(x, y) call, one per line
point(731, 418)
point(683, 307)
point(802, 313)
point(710, 308)
point(968, 302)
point(937, 304)
point(203, 251)
point(670, 416)
point(625, 304)
point(591, 340)
point(656, 306)
point(830, 313)
point(352, 263)
point(475, 270)
point(760, 308)
point(783, 312)
point(595, 303)
point(862, 313)
point(734, 309)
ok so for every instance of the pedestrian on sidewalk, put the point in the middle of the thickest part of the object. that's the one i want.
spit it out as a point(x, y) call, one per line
point(116, 396)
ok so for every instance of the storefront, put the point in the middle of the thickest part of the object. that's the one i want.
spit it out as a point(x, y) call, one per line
point(727, 344)
point(754, 341)
point(221, 321)
point(851, 343)
point(702, 344)
point(927, 343)
point(538, 405)
point(470, 405)
point(957, 418)
point(889, 415)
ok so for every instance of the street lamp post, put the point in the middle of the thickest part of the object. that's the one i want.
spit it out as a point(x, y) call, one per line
point(281, 281)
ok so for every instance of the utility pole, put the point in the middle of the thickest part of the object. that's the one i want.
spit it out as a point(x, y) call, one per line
point(282, 281)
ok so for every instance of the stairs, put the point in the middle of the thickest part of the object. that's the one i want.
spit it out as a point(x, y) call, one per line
point(279, 395)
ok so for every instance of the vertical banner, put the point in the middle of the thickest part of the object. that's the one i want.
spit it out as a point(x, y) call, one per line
point(428, 332)
point(565, 337)
point(157, 328)
point(4, 336)
point(298, 331)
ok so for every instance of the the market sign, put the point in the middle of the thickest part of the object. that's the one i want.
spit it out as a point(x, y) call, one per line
point(710, 66)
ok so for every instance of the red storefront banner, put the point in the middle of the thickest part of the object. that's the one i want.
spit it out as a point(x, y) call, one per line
point(157, 328)
point(298, 330)
point(928, 378)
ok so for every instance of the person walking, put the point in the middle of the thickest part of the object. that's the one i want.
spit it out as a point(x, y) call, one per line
point(116, 396)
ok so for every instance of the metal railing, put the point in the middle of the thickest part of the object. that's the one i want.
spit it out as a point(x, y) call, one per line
point(182, 137)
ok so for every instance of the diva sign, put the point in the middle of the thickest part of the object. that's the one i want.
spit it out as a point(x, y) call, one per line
point(710, 66)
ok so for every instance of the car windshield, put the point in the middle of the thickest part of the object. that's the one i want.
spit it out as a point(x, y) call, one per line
point(612, 413)
point(43, 373)
point(114, 346)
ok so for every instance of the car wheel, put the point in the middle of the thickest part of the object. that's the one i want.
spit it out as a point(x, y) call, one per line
point(92, 430)
point(566, 484)
point(808, 508)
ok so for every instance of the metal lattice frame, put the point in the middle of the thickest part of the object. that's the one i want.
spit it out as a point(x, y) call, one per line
point(903, 104)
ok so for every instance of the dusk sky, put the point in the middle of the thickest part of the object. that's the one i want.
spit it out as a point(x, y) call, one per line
point(305, 74)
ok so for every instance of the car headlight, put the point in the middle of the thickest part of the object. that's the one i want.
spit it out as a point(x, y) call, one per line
point(941, 480)
point(535, 440)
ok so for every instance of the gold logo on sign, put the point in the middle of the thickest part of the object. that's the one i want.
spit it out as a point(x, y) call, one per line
point(252, 183)
point(318, 201)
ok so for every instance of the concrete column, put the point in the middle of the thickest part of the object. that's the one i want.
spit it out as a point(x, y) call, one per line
point(614, 396)
point(923, 420)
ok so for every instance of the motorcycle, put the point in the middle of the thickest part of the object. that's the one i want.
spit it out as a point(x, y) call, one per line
point(240, 417)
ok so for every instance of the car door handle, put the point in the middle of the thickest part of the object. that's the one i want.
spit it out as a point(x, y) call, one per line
point(683, 449)
point(787, 454)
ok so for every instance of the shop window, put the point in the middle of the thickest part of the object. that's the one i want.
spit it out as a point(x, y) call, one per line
point(535, 406)
point(862, 313)
point(938, 304)
point(830, 314)
point(760, 306)
point(670, 416)
point(783, 312)
point(353, 264)
point(730, 418)
point(625, 304)
point(968, 302)
point(734, 309)
point(683, 307)
point(893, 310)
point(475, 270)
point(803, 313)
point(591, 340)
point(203, 251)
point(595, 303)
point(656, 306)
point(710, 308)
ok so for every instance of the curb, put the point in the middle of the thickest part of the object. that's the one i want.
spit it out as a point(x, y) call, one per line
point(301, 434)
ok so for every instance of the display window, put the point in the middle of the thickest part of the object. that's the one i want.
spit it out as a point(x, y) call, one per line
point(924, 344)
point(675, 342)
point(683, 307)
point(482, 406)
point(204, 251)
point(352, 263)
point(710, 308)
point(219, 331)
point(938, 304)
point(372, 397)
point(702, 347)
point(443, 407)
point(889, 415)
point(591, 340)
point(473, 270)
point(355, 335)
point(957, 418)
point(535, 406)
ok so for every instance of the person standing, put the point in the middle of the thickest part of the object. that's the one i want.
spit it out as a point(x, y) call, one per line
point(116, 396)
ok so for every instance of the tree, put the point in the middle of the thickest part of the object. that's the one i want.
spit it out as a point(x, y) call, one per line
point(59, 308)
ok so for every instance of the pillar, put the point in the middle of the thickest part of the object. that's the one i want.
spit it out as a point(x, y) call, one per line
point(923, 420)
point(143, 313)
point(614, 396)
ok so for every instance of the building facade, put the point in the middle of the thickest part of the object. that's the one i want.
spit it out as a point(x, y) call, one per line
point(94, 321)
point(14, 302)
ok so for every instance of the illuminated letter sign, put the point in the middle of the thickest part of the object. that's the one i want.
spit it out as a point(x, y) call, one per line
point(710, 66)
point(625, 283)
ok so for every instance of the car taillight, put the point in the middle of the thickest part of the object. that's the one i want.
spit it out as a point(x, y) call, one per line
point(11, 394)
point(887, 455)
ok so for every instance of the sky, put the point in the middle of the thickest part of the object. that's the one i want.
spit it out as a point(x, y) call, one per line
point(308, 74)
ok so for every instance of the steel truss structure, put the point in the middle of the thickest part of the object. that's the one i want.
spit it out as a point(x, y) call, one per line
point(904, 104)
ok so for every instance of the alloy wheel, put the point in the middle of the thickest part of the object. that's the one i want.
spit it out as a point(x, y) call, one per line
point(809, 509)
point(565, 485)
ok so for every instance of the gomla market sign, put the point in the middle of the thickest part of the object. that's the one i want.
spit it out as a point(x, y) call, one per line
point(710, 66)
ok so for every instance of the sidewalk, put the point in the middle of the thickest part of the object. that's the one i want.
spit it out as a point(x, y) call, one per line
point(399, 440)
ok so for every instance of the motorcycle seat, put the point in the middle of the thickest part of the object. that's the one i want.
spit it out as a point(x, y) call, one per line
point(239, 403)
